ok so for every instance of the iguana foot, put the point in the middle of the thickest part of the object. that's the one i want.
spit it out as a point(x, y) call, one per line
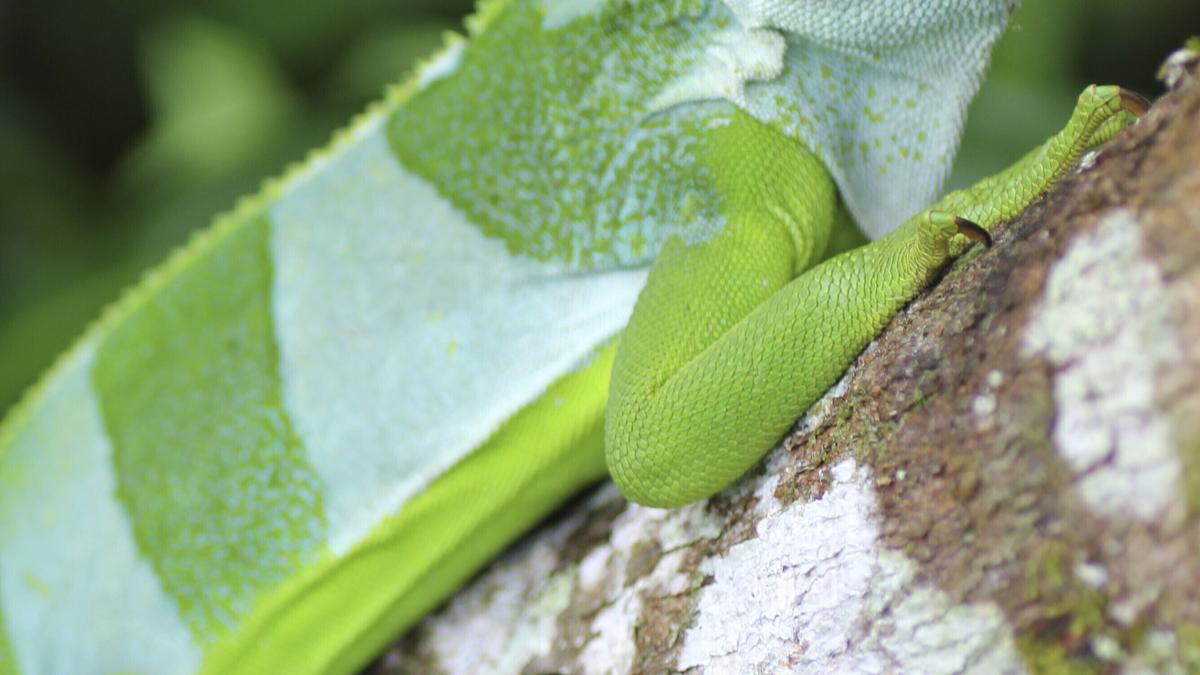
point(1132, 106)
point(1100, 113)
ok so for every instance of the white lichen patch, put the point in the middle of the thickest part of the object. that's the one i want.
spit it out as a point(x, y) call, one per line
point(816, 593)
point(509, 614)
point(984, 404)
point(604, 573)
point(1104, 322)
point(612, 647)
point(1159, 654)
point(1093, 575)
point(1176, 71)
point(1088, 161)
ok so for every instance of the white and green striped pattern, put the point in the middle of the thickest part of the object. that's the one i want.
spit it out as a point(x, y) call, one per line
point(74, 583)
point(285, 415)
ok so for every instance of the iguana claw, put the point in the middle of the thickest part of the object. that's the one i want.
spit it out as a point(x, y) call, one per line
point(973, 231)
point(1133, 102)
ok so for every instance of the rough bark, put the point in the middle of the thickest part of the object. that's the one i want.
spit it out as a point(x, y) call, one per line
point(1007, 480)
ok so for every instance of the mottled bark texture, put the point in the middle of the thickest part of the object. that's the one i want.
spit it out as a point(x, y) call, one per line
point(1007, 480)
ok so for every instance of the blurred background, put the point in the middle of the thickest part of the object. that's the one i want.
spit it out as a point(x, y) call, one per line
point(127, 124)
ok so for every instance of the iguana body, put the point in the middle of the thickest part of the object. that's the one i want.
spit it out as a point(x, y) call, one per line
point(318, 419)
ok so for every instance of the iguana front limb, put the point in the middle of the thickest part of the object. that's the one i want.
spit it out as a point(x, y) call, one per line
point(734, 337)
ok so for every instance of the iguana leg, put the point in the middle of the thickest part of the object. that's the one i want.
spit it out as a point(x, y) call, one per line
point(731, 339)
point(1100, 113)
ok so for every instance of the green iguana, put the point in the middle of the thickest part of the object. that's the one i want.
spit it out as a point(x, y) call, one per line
point(592, 237)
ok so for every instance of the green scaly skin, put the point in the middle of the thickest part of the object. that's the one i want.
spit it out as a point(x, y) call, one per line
point(732, 339)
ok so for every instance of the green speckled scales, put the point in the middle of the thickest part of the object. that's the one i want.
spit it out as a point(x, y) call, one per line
point(264, 410)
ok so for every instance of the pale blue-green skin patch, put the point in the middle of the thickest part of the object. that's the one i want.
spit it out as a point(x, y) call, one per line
point(558, 13)
point(407, 336)
point(222, 499)
point(878, 89)
point(74, 587)
point(554, 144)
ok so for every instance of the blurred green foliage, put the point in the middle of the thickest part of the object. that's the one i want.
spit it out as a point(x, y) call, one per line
point(126, 124)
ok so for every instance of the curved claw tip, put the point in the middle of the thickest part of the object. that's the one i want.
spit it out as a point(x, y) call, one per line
point(971, 230)
point(1134, 102)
